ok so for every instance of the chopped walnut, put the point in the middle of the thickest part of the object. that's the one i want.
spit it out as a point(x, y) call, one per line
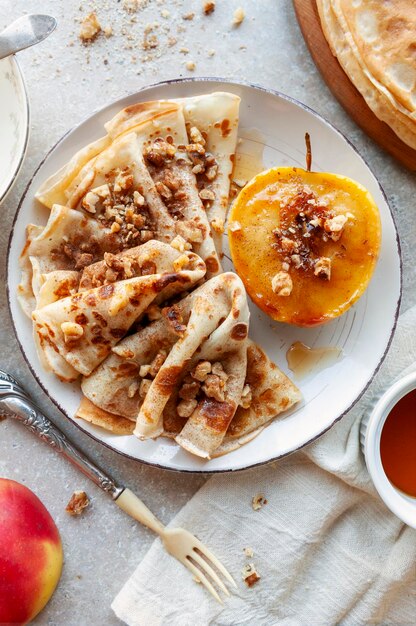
point(188, 16)
point(207, 194)
point(322, 268)
point(180, 244)
point(78, 502)
point(196, 135)
point(248, 552)
point(144, 387)
point(246, 397)
point(201, 371)
point(190, 66)
point(189, 390)
point(89, 202)
point(144, 370)
point(72, 331)
point(185, 408)
point(138, 199)
point(133, 389)
point(209, 7)
point(181, 263)
point(234, 226)
point(108, 31)
point(211, 172)
point(90, 27)
point(159, 152)
point(239, 15)
point(218, 370)
point(258, 501)
point(189, 232)
point(250, 575)
point(157, 363)
point(335, 226)
point(282, 284)
point(214, 387)
point(163, 190)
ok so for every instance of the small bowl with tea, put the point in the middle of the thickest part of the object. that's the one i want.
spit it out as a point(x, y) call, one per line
point(388, 437)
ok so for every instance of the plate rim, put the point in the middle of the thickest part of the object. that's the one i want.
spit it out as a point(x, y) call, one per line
point(225, 81)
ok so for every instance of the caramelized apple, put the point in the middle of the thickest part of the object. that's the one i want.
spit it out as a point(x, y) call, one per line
point(304, 243)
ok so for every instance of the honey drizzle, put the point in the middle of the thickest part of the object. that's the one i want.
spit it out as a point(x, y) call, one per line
point(302, 359)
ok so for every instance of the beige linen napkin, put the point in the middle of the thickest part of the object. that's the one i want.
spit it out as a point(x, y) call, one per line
point(327, 549)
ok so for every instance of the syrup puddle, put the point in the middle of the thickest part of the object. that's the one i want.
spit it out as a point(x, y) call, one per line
point(249, 157)
point(302, 360)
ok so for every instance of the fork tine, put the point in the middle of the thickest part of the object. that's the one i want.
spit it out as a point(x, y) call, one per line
point(208, 554)
point(201, 576)
point(208, 570)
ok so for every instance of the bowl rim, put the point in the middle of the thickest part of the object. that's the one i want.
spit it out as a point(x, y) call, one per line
point(224, 81)
point(18, 167)
point(402, 505)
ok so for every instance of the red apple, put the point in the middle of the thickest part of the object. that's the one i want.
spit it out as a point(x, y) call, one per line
point(30, 554)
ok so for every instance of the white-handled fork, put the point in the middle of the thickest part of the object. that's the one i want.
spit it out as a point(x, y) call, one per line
point(180, 543)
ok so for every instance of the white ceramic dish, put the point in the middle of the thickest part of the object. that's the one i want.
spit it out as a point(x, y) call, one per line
point(401, 504)
point(363, 333)
point(14, 123)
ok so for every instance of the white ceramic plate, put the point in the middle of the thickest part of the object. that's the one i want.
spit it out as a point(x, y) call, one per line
point(363, 333)
point(14, 123)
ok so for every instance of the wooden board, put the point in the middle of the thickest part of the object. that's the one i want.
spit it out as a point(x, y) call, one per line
point(343, 89)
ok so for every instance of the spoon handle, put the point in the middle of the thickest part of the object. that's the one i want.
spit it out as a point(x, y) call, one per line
point(15, 403)
point(24, 32)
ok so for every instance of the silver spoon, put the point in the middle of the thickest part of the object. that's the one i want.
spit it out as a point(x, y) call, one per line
point(24, 32)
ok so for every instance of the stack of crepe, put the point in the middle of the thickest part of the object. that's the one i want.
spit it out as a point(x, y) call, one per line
point(124, 283)
point(375, 43)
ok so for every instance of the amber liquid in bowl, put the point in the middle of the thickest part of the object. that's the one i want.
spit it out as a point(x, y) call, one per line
point(398, 445)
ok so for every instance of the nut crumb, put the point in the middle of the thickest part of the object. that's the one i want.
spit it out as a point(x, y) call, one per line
point(132, 6)
point(188, 16)
point(248, 552)
point(108, 31)
point(234, 226)
point(78, 502)
point(90, 27)
point(211, 52)
point(258, 501)
point(190, 66)
point(209, 7)
point(165, 14)
point(239, 15)
point(282, 284)
point(184, 50)
point(250, 576)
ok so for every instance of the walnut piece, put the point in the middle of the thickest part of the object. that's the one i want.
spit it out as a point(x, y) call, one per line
point(72, 331)
point(282, 284)
point(214, 387)
point(90, 27)
point(248, 552)
point(234, 226)
point(335, 226)
point(209, 7)
point(322, 268)
point(238, 17)
point(201, 371)
point(250, 575)
point(246, 397)
point(258, 501)
point(186, 407)
point(78, 502)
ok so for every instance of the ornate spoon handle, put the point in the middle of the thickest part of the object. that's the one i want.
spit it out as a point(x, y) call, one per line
point(15, 403)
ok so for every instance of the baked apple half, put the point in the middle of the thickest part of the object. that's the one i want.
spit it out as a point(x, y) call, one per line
point(304, 243)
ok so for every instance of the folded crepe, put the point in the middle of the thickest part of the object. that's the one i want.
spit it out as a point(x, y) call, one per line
point(159, 171)
point(191, 374)
point(81, 329)
point(70, 241)
point(372, 41)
